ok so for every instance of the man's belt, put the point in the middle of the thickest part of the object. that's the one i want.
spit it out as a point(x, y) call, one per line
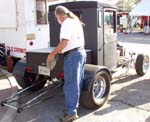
point(72, 50)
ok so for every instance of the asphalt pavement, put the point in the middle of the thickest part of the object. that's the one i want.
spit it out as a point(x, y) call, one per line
point(129, 100)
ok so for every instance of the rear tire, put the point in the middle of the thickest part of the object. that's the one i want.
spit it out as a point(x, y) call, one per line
point(30, 79)
point(25, 79)
point(99, 91)
point(2, 54)
point(142, 64)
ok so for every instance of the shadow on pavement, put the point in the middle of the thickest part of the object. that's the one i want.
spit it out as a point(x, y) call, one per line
point(52, 110)
point(125, 78)
point(132, 96)
point(49, 110)
point(3, 77)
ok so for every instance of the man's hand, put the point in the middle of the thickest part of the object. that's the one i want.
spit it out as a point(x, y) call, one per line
point(62, 44)
point(51, 57)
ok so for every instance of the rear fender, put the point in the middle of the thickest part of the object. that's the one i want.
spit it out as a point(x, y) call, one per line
point(89, 75)
point(19, 70)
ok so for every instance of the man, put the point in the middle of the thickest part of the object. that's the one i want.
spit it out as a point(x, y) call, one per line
point(72, 46)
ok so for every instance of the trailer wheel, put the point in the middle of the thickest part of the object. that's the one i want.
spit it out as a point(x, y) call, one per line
point(142, 64)
point(19, 110)
point(99, 91)
point(3, 103)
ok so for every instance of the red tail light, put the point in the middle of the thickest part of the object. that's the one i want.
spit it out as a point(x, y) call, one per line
point(60, 75)
point(28, 69)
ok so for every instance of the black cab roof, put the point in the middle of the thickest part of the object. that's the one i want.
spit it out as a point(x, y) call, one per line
point(82, 4)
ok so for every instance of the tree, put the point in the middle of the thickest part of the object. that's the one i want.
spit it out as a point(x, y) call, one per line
point(127, 5)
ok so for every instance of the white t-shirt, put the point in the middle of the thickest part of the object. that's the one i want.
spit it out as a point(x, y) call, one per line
point(72, 30)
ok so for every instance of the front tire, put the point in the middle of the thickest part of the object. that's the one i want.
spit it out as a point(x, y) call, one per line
point(142, 64)
point(99, 91)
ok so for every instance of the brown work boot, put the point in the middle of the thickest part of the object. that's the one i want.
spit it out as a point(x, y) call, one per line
point(69, 118)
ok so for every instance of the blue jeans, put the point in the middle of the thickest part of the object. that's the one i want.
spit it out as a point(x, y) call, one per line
point(73, 75)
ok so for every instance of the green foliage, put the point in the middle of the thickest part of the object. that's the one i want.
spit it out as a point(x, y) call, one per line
point(126, 5)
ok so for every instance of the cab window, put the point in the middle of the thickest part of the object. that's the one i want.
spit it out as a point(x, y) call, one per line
point(110, 22)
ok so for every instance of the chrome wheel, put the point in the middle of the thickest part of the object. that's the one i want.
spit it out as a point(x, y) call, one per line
point(145, 64)
point(99, 87)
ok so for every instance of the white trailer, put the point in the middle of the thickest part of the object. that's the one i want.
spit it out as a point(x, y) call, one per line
point(23, 26)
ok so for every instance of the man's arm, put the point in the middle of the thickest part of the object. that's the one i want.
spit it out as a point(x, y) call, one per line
point(62, 44)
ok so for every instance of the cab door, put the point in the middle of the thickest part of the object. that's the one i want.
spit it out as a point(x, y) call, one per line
point(110, 38)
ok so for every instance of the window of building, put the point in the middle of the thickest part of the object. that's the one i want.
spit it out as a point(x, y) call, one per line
point(41, 12)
